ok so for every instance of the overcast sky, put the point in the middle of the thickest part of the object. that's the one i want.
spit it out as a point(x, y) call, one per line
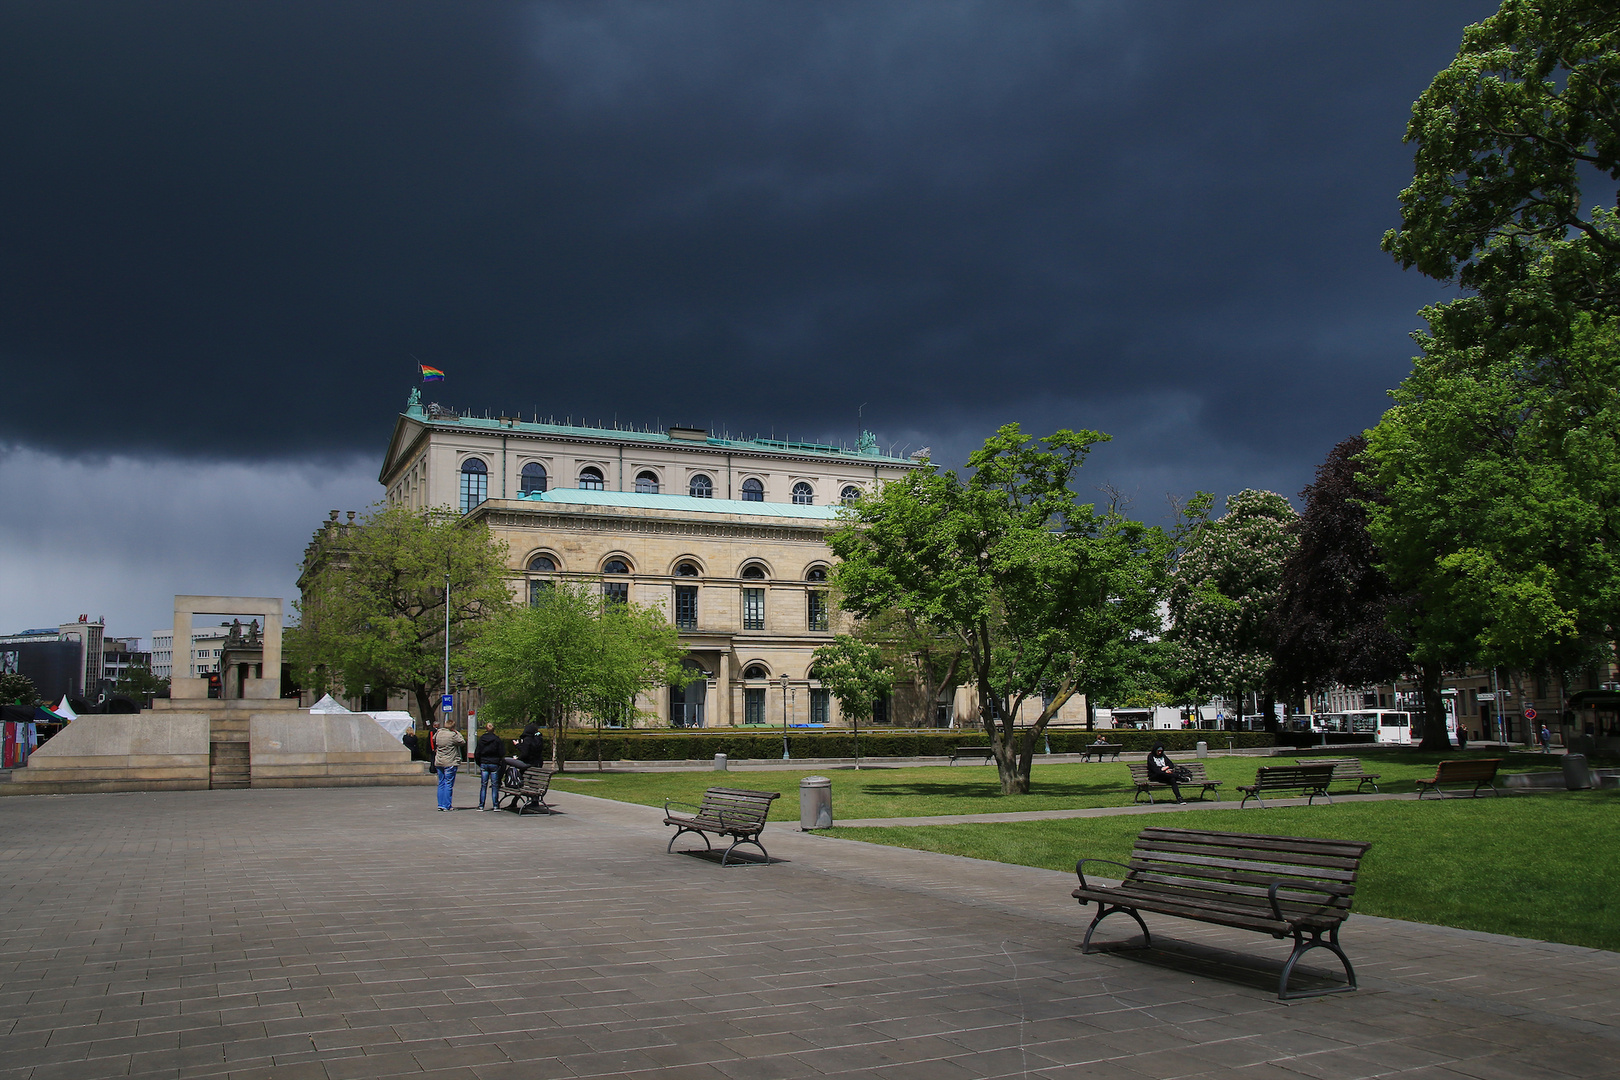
point(228, 227)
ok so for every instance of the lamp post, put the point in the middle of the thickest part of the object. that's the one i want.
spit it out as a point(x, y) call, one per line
point(785, 755)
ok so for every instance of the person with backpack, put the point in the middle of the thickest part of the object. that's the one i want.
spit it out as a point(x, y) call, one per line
point(1161, 770)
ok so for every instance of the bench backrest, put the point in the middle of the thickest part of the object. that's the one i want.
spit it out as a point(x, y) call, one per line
point(1465, 769)
point(737, 808)
point(536, 781)
point(1293, 776)
point(1345, 766)
point(1240, 867)
point(1195, 772)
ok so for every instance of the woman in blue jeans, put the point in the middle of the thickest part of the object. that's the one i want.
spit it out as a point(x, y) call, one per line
point(489, 753)
point(447, 744)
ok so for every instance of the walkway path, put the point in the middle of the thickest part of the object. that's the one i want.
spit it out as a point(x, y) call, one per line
point(348, 933)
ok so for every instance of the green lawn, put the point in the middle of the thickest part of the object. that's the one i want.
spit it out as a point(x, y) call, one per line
point(930, 791)
point(1540, 866)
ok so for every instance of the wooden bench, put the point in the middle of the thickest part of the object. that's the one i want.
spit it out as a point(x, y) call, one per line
point(1346, 770)
point(1307, 780)
point(1477, 771)
point(1278, 885)
point(1098, 749)
point(982, 752)
point(1197, 777)
point(729, 812)
point(524, 790)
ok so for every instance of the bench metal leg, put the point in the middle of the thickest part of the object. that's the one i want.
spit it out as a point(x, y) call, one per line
point(745, 840)
point(1105, 910)
point(1301, 947)
point(696, 832)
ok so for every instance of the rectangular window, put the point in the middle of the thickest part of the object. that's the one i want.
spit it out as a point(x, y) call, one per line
point(616, 591)
point(686, 607)
point(753, 609)
point(537, 591)
point(820, 708)
point(818, 610)
point(880, 712)
point(754, 706)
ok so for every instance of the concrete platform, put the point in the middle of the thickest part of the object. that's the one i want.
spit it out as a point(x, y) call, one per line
point(350, 933)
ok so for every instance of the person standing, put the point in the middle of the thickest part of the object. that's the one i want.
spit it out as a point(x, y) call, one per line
point(447, 744)
point(1546, 739)
point(490, 753)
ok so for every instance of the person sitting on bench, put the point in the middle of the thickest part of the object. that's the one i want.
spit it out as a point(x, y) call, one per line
point(1161, 770)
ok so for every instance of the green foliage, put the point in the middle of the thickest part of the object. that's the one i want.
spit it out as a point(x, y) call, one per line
point(917, 653)
point(1047, 596)
point(18, 689)
point(138, 681)
point(372, 604)
point(1226, 585)
point(1503, 137)
point(1426, 862)
point(855, 673)
point(572, 655)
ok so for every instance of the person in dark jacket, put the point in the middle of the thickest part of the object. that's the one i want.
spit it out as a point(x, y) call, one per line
point(1161, 770)
point(489, 753)
point(531, 748)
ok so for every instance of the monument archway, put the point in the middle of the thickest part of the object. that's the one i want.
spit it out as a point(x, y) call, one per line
point(267, 608)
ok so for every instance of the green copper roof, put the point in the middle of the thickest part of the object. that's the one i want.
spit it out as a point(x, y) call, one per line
point(686, 504)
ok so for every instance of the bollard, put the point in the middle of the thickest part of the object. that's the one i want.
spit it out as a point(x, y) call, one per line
point(1577, 777)
point(719, 763)
point(1203, 749)
point(815, 803)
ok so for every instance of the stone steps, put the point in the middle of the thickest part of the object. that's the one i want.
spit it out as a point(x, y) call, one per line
point(229, 764)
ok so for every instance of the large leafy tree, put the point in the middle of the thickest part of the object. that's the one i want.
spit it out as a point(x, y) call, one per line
point(1039, 588)
point(917, 653)
point(1504, 137)
point(1227, 583)
point(857, 674)
point(1335, 617)
point(569, 655)
point(373, 595)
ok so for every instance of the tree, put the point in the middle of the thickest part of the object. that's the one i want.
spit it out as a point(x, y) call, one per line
point(16, 688)
point(1501, 509)
point(1504, 135)
point(1226, 584)
point(137, 681)
point(373, 596)
point(571, 653)
point(1333, 621)
point(855, 673)
point(1038, 587)
point(916, 653)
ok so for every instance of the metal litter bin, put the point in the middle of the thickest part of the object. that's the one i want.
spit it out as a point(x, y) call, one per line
point(815, 803)
point(1203, 749)
point(719, 763)
point(1577, 777)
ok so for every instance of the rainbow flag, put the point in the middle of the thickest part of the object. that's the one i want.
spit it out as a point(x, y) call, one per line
point(431, 374)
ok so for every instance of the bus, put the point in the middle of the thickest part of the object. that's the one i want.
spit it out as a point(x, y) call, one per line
point(1386, 725)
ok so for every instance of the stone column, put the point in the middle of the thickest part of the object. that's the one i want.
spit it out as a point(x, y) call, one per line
point(723, 693)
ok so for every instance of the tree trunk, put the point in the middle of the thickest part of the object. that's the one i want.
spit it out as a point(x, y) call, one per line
point(424, 705)
point(557, 717)
point(1434, 709)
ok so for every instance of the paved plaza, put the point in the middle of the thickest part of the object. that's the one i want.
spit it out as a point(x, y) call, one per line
point(349, 933)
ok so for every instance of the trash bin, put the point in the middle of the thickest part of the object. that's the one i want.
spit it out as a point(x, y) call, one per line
point(815, 803)
point(719, 763)
point(1202, 750)
point(1577, 777)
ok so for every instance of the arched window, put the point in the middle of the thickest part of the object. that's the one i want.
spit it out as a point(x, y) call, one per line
point(474, 483)
point(753, 571)
point(534, 478)
point(701, 487)
point(849, 494)
point(615, 566)
point(647, 483)
point(803, 494)
point(542, 564)
point(756, 671)
point(817, 573)
point(616, 591)
point(686, 569)
point(753, 490)
point(590, 478)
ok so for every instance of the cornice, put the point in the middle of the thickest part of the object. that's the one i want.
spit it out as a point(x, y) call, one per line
point(574, 521)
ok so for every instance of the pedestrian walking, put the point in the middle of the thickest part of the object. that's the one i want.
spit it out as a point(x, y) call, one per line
point(489, 754)
point(447, 744)
point(1546, 739)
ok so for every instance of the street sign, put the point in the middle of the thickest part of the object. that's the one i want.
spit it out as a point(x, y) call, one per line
point(1529, 712)
point(447, 703)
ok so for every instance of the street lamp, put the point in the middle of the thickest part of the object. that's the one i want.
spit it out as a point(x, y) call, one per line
point(785, 755)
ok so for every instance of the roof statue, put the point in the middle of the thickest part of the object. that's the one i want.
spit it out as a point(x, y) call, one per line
point(868, 443)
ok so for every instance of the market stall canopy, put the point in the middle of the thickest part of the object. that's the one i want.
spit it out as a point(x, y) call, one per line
point(327, 705)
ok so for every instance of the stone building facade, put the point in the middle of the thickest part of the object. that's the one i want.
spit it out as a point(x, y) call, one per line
point(726, 536)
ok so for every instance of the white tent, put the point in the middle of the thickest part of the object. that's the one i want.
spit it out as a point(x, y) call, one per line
point(394, 722)
point(65, 711)
point(327, 705)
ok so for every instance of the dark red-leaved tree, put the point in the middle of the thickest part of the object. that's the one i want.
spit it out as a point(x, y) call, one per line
point(1333, 622)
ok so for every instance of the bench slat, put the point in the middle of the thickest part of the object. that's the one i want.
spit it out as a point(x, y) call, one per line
point(1328, 858)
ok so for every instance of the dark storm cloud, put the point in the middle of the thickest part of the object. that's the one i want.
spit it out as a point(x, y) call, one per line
point(228, 225)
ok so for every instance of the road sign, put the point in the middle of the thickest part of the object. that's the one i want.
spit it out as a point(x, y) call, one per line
point(1529, 712)
point(447, 703)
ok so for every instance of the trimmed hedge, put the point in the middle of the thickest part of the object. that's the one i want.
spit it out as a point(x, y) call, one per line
point(744, 744)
